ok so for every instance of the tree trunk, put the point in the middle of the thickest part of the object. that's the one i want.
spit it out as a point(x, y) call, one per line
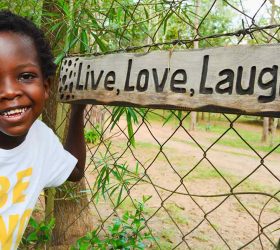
point(72, 217)
point(208, 126)
point(193, 120)
point(272, 128)
point(49, 113)
point(273, 121)
point(267, 122)
point(265, 129)
point(202, 116)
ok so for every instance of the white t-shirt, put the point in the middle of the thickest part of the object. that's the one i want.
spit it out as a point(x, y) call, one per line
point(39, 162)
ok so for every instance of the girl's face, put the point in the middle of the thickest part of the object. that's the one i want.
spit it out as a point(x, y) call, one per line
point(23, 90)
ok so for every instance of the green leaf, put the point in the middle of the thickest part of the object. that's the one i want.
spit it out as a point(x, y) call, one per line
point(59, 58)
point(84, 45)
point(130, 129)
point(146, 13)
point(133, 114)
point(119, 197)
point(103, 47)
point(94, 23)
point(32, 237)
point(33, 223)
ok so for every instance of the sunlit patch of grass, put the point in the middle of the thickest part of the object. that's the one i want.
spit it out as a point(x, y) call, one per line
point(218, 125)
point(218, 248)
point(147, 145)
point(238, 153)
point(216, 226)
point(163, 245)
point(231, 139)
point(255, 186)
point(176, 213)
point(201, 237)
point(167, 235)
point(238, 207)
point(275, 209)
point(207, 173)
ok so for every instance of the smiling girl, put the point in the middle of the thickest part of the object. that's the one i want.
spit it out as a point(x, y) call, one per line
point(31, 156)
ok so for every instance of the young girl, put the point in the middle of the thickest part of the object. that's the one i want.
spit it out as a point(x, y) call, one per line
point(31, 156)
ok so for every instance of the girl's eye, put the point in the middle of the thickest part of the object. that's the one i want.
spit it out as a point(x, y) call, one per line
point(26, 76)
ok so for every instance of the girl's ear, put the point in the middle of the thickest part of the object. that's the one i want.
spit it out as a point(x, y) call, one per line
point(47, 83)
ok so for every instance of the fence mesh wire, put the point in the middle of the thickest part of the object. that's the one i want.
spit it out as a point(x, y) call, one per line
point(215, 187)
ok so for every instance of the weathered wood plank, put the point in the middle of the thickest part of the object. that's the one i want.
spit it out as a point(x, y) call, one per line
point(238, 79)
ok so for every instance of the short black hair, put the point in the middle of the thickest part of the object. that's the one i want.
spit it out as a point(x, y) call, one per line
point(21, 25)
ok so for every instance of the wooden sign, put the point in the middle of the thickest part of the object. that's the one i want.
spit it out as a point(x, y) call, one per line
point(239, 79)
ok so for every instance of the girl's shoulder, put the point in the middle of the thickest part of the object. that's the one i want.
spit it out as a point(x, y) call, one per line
point(40, 131)
point(38, 125)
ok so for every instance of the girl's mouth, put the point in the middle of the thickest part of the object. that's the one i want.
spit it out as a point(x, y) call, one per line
point(13, 113)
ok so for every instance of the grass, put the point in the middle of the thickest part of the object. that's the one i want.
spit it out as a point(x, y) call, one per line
point(168, 235)
point(232, 139)
point(177, 213)
point(163, 244)
point(219, 125)
point(275, 209)
point(205, 173)
point(147, 145)
point(254, 186)
point(216, 226)
point(201, 237)
point(219, 248)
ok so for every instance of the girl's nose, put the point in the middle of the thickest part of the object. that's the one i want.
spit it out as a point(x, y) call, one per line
point(9, 90)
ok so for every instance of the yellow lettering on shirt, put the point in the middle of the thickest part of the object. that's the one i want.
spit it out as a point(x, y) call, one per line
point(6, 236)
point(4, 188)
point(22, 224)
point(21, 185)
point(12, 226)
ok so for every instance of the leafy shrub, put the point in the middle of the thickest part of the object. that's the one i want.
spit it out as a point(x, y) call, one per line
point(37, 234)
point(93, 135)
point(112, 178)
point(127, 232)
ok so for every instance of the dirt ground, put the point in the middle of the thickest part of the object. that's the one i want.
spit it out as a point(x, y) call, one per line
point(211, 202)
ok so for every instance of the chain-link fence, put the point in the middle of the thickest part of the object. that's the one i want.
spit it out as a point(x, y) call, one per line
point(210, 188)
point(205, 180)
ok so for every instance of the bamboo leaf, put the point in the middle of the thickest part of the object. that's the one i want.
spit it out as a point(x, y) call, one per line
point(94, 23)
point(84, 45)
point(103, 47)
point(130, 129)
point(119, 196)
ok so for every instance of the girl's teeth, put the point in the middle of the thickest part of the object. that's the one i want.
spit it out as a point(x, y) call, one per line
point(14, 111)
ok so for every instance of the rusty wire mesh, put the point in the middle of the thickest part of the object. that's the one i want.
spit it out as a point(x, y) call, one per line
point(212, 188)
